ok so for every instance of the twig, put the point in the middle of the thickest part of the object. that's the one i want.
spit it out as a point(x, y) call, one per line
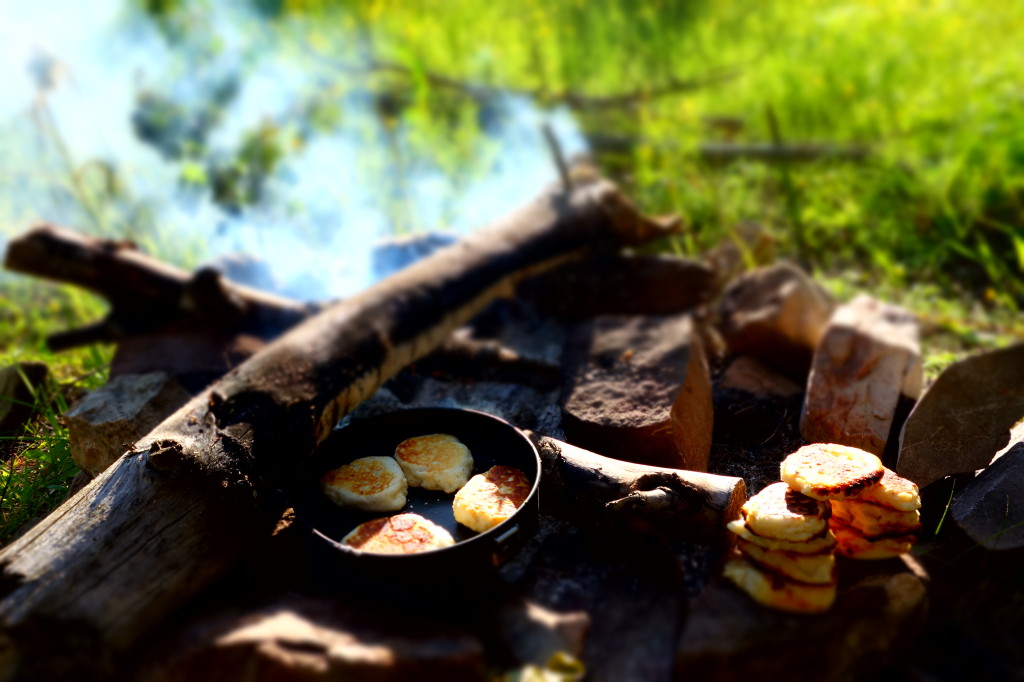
point(728, 152)
point(724, 152)
point(558, 155)
point(104, 331)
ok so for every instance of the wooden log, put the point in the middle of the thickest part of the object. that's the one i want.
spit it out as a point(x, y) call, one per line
point(671, 503)
point(180, 507)
point(144, 292)
point(622, 285)
point(464, 358)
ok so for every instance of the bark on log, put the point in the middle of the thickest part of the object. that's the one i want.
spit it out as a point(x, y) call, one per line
point(179, 508)
point(672, 503)
point(144, 292)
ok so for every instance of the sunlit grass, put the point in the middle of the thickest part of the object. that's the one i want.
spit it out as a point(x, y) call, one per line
point(934, 88)
point(35, 464)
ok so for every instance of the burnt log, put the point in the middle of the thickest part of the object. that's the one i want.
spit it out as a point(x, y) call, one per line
point(622, 285)
point(671, 503)
point(182, 505)
point(144, 293)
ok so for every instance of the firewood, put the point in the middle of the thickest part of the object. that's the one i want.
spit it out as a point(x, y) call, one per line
point(465, 358)
point(180, 507)
point(144, 292)
point(671, 503)
point(622, 285)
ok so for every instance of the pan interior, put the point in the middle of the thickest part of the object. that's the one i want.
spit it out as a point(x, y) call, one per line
point(490, 440)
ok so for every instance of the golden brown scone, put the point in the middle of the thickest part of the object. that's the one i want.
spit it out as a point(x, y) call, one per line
point(854, 545)
point(893, 491)
point(823, 542)
point(435, 462)
point(784, 514)
point(828, 471)
point(871, 519)
point(490, 498)
point(399, 534)
point(776, 592)
point(815, 569)
point(368, 483)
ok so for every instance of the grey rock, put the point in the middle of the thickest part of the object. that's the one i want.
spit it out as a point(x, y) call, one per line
point(867, 362)
point(632, 594)
point(105, 423)
point(638, 389)
point(753, 376)
point(873, 623)
point(533, 634)
point(991, 508)
point(777, 315)
point(313, 639)
point(964, 418)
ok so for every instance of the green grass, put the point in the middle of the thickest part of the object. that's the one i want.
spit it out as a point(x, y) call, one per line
point(932, 219)
point(933, 88)
point(36, 465)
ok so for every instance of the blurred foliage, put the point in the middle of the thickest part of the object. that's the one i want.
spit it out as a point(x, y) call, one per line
point(934, 88)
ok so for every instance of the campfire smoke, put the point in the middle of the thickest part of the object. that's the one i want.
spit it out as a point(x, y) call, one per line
point(335, 193)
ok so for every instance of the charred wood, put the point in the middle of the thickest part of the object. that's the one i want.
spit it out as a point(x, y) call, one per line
point(144, 292)
point(622, 285)
point(672, 503)
point(464, 358)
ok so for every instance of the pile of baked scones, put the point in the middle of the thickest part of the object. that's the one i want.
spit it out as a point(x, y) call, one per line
point(434, 462)
point(833, 499)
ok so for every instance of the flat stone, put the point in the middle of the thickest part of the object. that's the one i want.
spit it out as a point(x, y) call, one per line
point(622, 285)
point(533, 634)
point(753, 376)
point(873, 623)
point(991, 508)
point(633, 594)
point(777, 315)
point(867, 364)
point(16, 400)
point(638, 389)
point(964, 418)
point(306, 638)
point(105, 423)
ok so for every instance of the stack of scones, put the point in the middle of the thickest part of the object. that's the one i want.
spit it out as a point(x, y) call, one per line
point(832, 499)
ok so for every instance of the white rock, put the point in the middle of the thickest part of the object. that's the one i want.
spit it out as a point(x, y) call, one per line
point(868, 358)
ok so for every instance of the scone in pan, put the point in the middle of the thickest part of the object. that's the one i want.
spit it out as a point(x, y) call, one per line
point(491, 441)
